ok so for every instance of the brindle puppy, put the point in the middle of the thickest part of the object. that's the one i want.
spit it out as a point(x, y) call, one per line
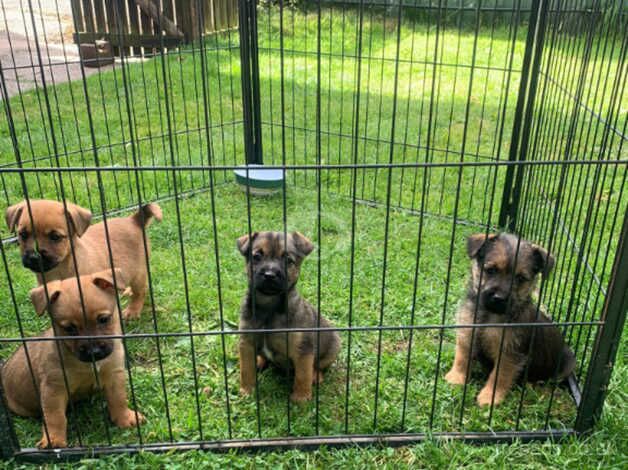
point(505, 297)
point(271, 302)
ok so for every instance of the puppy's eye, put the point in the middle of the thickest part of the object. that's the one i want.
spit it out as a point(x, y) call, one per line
point(290, 260)
point(70, 330)
point(23, 235)
point(257, 256)
point(54, 237)
point(104, 319)
point(491, 271)
point(521, 279)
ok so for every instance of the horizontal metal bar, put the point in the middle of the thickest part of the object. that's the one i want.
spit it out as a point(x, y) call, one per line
point(128, 40)
point(300, 443)
point(348, 166)
point(295, 330)
point(418, 213)
point(572, 97)
point(105, 147)
point(380, 141)
point(387, 59)
point(172, 51)
point(122, 210)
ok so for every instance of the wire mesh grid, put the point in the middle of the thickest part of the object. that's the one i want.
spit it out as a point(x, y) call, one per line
point(400, 128)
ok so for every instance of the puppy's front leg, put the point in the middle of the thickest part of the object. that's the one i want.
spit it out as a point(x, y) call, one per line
point(509, 369)
point(303, 372)
point(458, 373)
point(115, 393)
point(54, 401)
point(247, 365)
point(136, 303)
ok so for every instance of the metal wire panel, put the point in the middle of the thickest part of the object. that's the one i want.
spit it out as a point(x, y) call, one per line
point(400, 128)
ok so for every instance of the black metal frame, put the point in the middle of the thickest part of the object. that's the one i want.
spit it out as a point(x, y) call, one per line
point(532, 132)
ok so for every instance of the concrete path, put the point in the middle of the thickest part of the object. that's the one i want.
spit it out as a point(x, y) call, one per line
point(52, 31)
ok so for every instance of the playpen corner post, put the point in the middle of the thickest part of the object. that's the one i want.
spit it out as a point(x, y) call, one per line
point(249, 62)
point(607, 338)
point(523, 115)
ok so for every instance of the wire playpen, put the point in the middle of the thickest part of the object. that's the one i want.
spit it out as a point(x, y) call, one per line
point(399, 128)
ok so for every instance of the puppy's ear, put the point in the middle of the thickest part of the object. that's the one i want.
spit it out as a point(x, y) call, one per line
point(244, 243)
point(303, 245)
point(476, 243)
point(80, 218)
point(13, 214)
point(543, 262)
point(39, 299)
point(104, 280)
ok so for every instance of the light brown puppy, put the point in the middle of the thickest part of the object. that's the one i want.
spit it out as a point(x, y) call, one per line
point(45, 390)
point(47, 241)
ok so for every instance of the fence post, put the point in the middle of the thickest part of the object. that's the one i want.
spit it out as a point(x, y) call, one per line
point(249, 61)
point(526, 97)
point(607, 338)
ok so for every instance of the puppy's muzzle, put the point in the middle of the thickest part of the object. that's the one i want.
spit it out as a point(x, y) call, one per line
point(88, 352)
point(495, 301)
point(269, 281)
point(38, 262)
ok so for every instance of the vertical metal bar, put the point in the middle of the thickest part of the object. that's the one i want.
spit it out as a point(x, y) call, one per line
point(529, 79)
point(607, 340)
point(9, 443)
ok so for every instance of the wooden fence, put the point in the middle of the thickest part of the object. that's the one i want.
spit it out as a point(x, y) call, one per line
point(137, 25)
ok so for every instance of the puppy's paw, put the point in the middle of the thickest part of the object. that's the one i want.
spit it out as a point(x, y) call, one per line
point(485, 397)
point(131, 313)
point(261, 361)
point(317, 377)
point(300, 397)
point(53, 442)
point(246, 391)
point(455, 377)
point(128, 419)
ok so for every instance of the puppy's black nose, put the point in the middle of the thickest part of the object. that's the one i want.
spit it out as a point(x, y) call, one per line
point(96, 352)
point(499, 296)
point(270, 275)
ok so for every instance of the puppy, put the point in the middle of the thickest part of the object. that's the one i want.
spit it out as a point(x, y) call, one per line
point(45, 244)
point(45, 390)
point(504, 296)
point(272, 301)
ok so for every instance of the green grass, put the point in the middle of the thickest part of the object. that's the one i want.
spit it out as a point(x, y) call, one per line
point(435, 299)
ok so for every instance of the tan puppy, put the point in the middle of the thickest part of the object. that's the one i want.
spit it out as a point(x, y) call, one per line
point(77, 356)
point(48, 249)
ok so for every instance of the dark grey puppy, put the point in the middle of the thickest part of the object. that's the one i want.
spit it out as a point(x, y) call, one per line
point(505, 296)
point(273, 302)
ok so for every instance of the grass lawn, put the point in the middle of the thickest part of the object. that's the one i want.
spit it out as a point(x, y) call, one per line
point(130, 119)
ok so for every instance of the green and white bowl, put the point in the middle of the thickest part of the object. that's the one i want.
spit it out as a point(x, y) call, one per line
point(259, 180)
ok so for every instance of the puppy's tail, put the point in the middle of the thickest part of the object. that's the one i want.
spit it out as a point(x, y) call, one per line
point(144, 216)
point(568, 362)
